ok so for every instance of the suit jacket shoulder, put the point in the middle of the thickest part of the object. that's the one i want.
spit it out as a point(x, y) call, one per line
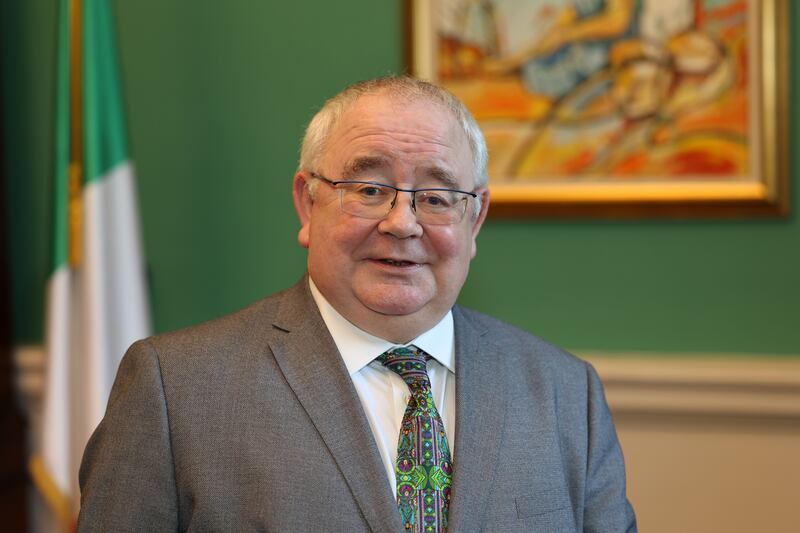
point(249, 324)
point(519, 345)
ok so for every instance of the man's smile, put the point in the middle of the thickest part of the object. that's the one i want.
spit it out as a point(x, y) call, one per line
point(395, 262)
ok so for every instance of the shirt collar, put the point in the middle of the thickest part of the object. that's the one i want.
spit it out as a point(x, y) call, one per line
point(359, 348)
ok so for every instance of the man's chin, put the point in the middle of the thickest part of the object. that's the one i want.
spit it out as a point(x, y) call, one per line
point(396, 303)
point(394, 308)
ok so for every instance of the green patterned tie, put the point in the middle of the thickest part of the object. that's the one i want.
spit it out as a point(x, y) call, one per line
point(423, 469)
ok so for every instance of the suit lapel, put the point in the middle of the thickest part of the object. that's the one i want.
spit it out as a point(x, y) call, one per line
point(480, 408)
point(311, 363)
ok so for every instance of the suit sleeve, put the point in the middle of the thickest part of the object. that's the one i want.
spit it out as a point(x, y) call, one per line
point(127, 476)
point(606, 508)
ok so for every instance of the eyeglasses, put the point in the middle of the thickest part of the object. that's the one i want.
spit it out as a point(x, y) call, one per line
point(367, 199)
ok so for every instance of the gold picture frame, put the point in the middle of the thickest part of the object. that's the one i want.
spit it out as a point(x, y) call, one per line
point(621, 108)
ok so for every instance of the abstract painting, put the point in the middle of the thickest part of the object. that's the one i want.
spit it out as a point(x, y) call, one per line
point(660, 107)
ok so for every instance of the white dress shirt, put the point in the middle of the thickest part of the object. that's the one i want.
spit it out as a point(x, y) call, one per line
point(383, 394)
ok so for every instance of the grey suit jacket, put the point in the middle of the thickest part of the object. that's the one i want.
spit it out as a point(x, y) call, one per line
point(251, 423)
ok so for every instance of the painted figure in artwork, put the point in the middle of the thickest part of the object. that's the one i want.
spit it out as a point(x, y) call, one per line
point(592, 89)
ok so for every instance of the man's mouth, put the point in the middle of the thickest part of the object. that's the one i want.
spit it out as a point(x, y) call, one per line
point(396, 262)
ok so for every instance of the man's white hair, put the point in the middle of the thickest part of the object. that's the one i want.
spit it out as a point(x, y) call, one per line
point(403, 88)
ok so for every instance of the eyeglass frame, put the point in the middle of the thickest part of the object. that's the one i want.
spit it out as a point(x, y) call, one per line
point(397, 190)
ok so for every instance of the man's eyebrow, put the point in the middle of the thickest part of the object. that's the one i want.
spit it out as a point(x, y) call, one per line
point(445, 177)
point(364, 164)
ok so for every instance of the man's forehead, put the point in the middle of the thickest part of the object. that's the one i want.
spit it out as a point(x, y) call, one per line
point(400, 115)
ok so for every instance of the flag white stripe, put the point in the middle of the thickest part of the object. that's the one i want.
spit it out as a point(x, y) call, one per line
point(115, 302)
point(56, 412)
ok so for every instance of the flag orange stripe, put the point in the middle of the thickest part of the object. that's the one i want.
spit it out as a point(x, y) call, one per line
point(55, 498)
point(76, 166)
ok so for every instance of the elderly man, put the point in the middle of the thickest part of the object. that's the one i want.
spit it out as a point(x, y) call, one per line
point(363, 398)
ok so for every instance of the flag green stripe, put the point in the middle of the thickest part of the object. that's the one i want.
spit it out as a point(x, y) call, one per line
point(92, 105)
point(61, 185)
point(118, 144)
point(105, 130)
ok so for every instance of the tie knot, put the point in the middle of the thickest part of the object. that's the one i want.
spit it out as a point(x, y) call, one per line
point(410, 363)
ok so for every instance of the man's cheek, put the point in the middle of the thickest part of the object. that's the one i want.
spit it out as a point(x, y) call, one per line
point(450, 241)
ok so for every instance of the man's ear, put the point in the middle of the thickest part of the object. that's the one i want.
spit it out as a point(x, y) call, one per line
point(302, 204)
point(477, 222)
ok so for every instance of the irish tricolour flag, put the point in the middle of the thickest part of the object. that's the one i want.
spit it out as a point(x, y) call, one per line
point(97, 301)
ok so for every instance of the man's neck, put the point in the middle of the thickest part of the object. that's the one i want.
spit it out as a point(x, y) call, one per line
point(393, 328)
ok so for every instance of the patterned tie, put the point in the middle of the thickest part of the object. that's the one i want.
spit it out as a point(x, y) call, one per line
point(424, 470)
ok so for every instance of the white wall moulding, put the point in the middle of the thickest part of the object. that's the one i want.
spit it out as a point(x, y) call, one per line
point(701, 384)
point(29, 376)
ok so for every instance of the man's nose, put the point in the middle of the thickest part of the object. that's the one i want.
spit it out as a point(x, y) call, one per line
point(401, 221)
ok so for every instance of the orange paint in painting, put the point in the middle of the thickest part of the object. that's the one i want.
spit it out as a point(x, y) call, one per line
point(729, 116)
point(632, 165)
point(706, 16)
point(458, 59)
point(499, 98)
point(699, 162)
point(577, 164)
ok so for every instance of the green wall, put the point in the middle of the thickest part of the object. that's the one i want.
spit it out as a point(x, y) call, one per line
point(217, 99)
